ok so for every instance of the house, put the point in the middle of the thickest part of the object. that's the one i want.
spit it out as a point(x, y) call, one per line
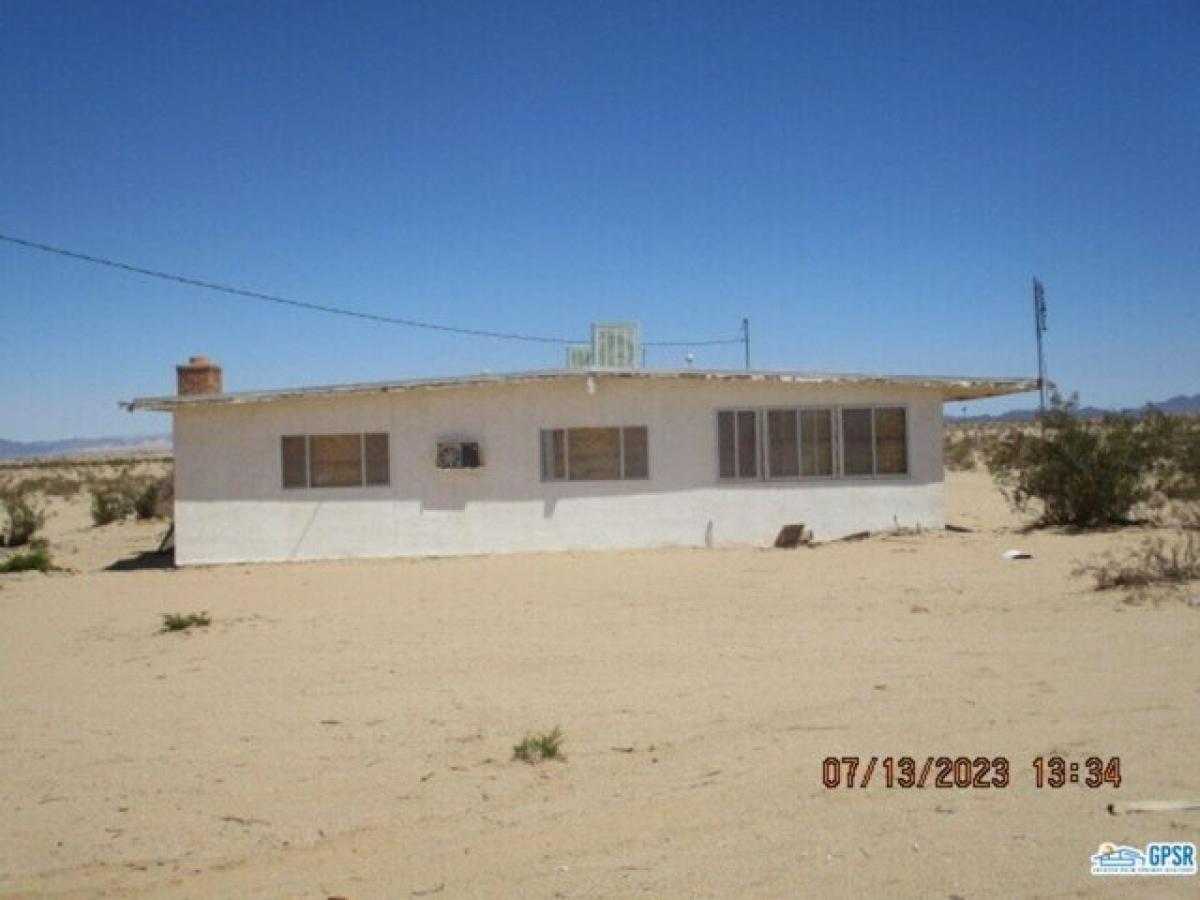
point(589, 457)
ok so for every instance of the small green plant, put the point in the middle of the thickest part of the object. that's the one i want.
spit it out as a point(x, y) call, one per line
point(35, 559)
point(1156, 561)
point(24, 517)
point(538, 746)
point(180, 622)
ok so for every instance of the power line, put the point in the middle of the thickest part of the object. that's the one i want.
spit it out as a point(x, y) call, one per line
point(321, 307)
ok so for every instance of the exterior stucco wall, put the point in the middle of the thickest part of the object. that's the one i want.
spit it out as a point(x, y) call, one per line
point(230, 506)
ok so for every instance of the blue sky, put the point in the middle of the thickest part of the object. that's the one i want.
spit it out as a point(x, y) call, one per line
point(872, 184)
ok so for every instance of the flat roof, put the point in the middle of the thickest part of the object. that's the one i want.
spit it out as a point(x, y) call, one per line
point(952, 387)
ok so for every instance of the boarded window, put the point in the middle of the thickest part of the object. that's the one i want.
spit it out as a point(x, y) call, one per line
point(858, 455)
point(783, 444)
point(816, 443)
point(377, 466)
point(636, 452)
point(335, 460)
point(294, 451)
point(595, 454)
point(891, 441)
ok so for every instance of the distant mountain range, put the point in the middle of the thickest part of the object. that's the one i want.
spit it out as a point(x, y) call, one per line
point(76, 446)
point(1180, 405)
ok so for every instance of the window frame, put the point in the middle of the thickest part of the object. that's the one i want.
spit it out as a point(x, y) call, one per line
point(875, 473)
point(837, 440)
point(546, 435)
point(767, 474)
point(759, 426)
point(362, 462)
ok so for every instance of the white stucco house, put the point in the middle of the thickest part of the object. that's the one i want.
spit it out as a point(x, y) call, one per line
point(574, 458)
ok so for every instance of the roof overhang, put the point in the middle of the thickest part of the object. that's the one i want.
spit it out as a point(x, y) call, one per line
point(951, 388)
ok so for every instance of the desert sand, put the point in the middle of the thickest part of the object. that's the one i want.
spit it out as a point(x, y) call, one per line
point(346, 729)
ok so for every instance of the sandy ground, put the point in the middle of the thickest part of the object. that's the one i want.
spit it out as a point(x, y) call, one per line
point(345, 729)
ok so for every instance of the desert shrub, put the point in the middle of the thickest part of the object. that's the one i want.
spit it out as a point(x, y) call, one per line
point(23, 517)
point(1156, 560)
point(535, 747)
point(35, 559)
point(1084, 474)
point(115, 498)
point(959, 452)
point(154, 498)
point(180, 622)
point(1187, 517)
point(1175, 442)
point(58, 485)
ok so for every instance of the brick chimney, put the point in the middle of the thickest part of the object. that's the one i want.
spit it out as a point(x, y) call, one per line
point(199, 375)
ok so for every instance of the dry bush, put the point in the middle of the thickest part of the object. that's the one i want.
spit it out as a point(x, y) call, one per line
point(126, 495)
point(114, 498)
point(56, 485)
point(23, 517)
point(1175, 443)
point(1156, 561)
point(959, 452)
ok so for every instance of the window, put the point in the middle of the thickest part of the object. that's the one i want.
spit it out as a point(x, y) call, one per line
point(875, 441)
point(783, 443)
point(595, 454)
point(737, 443)
point(891, 441)
point(295, 461)
point(799, 443)
point(816, 443)
point(376, 460)
point(335, 460)
point(858, 456)
point(804, 442)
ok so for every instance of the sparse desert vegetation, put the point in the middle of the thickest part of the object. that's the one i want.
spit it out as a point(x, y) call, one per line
point(538, 746)
point(23, 516)
point(960, 450)
point(35, 559)
point(1157, 560)
point(126, 495)
point(184, 621)
point(1078, 473)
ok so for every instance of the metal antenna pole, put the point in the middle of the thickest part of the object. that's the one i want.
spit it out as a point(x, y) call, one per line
point(1039, 327)
point(746, 341)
